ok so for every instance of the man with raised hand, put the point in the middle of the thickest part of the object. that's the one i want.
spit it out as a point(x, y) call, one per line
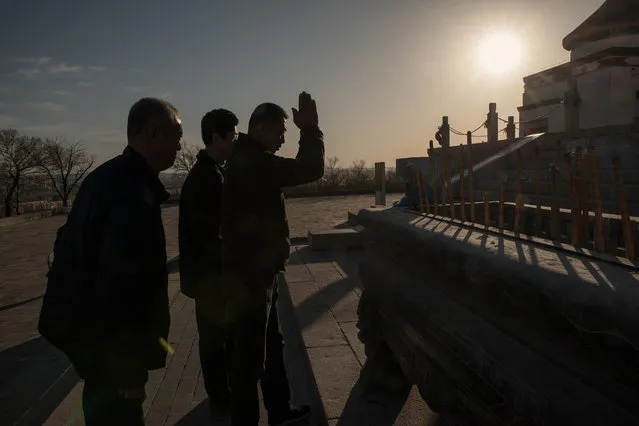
point(256, 249)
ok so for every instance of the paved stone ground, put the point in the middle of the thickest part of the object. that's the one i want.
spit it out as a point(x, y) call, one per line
point(326, 212)
point(36, 383)
point(325, 291)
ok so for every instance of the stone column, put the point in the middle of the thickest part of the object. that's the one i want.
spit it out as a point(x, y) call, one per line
point(491, 122)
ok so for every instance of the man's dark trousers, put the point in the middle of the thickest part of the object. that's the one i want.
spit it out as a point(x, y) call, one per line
point(258, 353)
point(105, 405)
point(214, 351)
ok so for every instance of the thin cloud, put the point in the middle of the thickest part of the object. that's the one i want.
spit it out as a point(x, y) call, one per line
point(47, 106)
point(93, 136)
point(29, 72)
point(137, 89)
point(132, 70)
point(8, 120)
point(60, 92)
point(149, 91)
point(41, 66)
point(108, 136)
point(57, 129)
point(84, 83)
point(36, 60)
point(60, 68)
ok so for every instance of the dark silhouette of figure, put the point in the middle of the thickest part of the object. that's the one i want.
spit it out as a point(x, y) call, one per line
point(201, 253)
point(106, 304)
point(256, 248)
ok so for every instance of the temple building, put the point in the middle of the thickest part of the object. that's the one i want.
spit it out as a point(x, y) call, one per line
point(599, 86)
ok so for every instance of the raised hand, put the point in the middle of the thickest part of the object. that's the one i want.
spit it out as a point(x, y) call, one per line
point(306, 115)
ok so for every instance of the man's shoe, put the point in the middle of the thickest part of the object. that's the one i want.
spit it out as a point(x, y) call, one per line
point(291, 417)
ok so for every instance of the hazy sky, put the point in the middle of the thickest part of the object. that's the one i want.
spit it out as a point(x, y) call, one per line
point(383, 72)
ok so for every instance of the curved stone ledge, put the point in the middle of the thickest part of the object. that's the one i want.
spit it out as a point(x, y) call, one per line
point(502, 328)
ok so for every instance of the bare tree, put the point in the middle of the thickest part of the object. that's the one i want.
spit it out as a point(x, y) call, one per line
point(65, 165)
point(358, 171)
point(185, 159)
point(332, 162)
point(332, 173)
point(18, 155)
point(391, 174)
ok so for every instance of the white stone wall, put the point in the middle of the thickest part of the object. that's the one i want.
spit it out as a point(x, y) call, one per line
point(608, 97)
point(554, 114)
point(534, 93)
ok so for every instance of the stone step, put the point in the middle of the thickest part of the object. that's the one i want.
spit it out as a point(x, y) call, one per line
point(332, 239)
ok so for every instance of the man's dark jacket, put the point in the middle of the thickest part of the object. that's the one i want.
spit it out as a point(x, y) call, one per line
point(106, 303)
point(254, 224)
point(199, 226)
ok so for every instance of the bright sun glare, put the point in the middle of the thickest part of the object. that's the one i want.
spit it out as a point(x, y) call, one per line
point(499, 53)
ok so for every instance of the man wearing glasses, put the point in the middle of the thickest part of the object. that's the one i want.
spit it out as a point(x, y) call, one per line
point(201, 253)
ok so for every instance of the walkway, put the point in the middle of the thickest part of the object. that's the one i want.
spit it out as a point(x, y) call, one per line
point(318, 309)
point(325, 289)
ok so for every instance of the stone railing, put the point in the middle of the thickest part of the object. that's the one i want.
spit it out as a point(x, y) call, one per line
point(496, 330)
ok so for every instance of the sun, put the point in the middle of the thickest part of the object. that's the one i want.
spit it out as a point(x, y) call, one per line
point(499, 53)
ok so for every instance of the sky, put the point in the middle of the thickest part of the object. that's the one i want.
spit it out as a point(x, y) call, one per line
point(383, 72)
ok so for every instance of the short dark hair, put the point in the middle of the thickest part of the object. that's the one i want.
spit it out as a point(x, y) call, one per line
point(217, 122)
point(266, 113)
point(143, 112)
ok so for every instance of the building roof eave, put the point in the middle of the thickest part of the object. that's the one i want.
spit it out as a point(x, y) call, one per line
point(611, 54)
point(614, 17)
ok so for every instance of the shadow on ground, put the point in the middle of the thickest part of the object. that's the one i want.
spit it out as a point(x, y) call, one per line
point(366, 404)
point(370, 406)
point(200, 415)
point(34, 379)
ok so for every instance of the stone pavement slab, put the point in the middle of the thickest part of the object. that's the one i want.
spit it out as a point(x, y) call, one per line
point(175, 395)
point(34, 376)
point(37, 384)
point(316, 213)
point(325, 290)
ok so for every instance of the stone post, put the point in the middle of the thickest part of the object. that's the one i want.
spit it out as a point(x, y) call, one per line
point(380, 184)
point(491, 122)
point(510, 128)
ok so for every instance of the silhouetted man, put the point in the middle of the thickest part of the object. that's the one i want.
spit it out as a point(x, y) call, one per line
point(106, 304)
point(256, 248)
point(201, 252)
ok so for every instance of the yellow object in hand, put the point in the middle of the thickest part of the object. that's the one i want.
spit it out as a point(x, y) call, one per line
point(168, 348)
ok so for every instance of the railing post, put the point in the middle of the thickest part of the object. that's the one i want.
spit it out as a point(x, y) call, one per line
point(434, 180)
point(469, 142)
point(626, 225)
point(538, 217)
point(380, 184)
point(600, 241)
point(491, 122)
point(554, 207)
point(461, 183)
point(510, 128)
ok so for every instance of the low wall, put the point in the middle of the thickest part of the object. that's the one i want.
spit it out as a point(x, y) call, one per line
point(175, 198)
point(496, 330)
point(339, 192)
